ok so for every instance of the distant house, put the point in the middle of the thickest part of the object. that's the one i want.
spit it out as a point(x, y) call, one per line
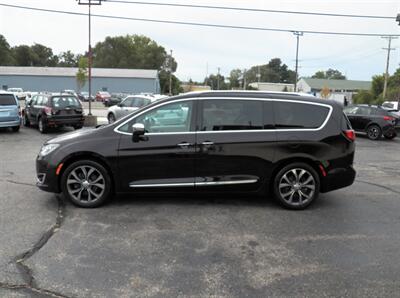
point(266, 86)
point(338, 89)
point(55, 79)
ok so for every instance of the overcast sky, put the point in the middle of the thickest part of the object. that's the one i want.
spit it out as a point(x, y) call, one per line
point(196, 47)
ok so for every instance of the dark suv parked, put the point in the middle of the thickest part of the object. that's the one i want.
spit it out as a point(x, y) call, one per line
point(372, 120)
point(292, 145)
point(46, 111)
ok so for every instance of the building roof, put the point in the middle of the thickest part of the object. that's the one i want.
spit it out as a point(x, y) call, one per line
point(338, 84)
point(71, 72)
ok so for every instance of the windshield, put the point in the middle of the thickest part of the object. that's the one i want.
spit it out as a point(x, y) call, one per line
point(7, 100)
point(63, 102)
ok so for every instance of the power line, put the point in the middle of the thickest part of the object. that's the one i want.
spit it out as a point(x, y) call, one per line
point(254, 9)
point(199, 24)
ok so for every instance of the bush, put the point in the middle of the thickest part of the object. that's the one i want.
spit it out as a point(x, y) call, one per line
point(364, 97)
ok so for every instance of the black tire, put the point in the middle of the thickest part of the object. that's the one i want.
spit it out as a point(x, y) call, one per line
point(25, 121)
point(391, 136)
point(374, 132)
point(291, 196)
point(82, 192)
point(111, 118)
point(15, 128)
point(42, 125)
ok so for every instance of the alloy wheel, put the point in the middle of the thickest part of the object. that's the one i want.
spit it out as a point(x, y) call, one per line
point(86, 184)
point(297, 186)
point(374, 132)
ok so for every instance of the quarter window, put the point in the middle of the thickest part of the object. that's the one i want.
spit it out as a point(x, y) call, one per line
point(299, 115)
point(173, 117)
point(225, 114)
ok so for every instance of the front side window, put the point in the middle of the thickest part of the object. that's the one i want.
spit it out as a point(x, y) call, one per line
point(298, 115)
point(173, 117)
point(139, 102)
point(225, 114)
point(127, 102)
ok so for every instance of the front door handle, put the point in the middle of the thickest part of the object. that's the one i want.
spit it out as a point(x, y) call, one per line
point(184, 145)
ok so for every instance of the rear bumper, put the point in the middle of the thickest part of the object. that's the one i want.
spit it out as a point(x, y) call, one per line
point(53, 121)
point(10, 123)
point(338, 178)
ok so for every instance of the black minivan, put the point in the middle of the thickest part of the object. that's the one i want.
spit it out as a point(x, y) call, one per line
point(292, 145)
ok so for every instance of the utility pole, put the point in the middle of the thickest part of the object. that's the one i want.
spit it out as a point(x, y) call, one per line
point(297, 34)
point(218, 78)
point(389, 38)
point(90, 3)
point(170, 74)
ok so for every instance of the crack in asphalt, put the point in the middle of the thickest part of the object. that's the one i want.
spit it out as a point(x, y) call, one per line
point(379, 185)
point(17, 182)
point(30, 284)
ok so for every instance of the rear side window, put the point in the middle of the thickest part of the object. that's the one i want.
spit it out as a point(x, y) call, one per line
point(299, 115)
point(64, 102)
point(7, 100)
point(225, 114)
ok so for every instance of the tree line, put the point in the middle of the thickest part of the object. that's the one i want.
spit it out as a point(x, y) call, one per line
point(129, 51)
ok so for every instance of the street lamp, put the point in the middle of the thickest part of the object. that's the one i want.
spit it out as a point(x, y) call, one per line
point(89, 3)
point(297, 34)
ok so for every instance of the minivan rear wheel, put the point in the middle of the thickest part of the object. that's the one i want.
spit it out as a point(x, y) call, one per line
point(374, 132)
point(86, 183)
point(296, 186)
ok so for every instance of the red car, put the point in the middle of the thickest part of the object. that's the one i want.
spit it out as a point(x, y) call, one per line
point(102, 96)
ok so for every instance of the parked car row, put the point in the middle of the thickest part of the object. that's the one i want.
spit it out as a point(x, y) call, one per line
point(374, 121)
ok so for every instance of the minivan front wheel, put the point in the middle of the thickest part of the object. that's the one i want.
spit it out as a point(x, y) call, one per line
point(296, 186)
point(86, 183)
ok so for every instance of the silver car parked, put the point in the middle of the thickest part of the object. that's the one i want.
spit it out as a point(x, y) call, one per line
point(128, 105)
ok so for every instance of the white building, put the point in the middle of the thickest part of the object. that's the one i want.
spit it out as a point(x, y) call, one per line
point(264, 86)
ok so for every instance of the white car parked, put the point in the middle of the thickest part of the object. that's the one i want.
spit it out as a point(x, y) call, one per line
point(128, 105)
point(18, 92)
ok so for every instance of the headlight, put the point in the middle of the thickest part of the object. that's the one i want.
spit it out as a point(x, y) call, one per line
point(46, 149)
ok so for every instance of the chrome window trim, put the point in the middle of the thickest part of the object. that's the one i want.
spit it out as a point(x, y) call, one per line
point(233, 131)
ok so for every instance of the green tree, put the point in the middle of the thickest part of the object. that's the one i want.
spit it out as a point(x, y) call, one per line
point(364, 97)
point(43, 56)
point(274, 71)
point(377, 85)
point(214, 80)
point(163, 76)
point(23, 55)
point(330, 74)
point(234, 78)
point(81, 75)
point(130, 51)
point(6, 57)
point(68, 59)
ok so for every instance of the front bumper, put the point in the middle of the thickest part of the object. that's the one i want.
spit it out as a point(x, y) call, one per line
point(46, 178)
point(338, 178)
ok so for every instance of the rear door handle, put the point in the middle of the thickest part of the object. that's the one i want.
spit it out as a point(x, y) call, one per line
point(184, 145)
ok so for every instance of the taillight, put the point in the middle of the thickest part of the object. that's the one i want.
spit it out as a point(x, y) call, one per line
point(350, 134)
point(48, 111)
point(388, 118)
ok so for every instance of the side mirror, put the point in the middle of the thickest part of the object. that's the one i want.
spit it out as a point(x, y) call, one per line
point(120, 105)
point(138, 132)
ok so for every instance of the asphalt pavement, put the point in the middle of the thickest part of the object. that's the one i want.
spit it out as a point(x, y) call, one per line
point(346, 244)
